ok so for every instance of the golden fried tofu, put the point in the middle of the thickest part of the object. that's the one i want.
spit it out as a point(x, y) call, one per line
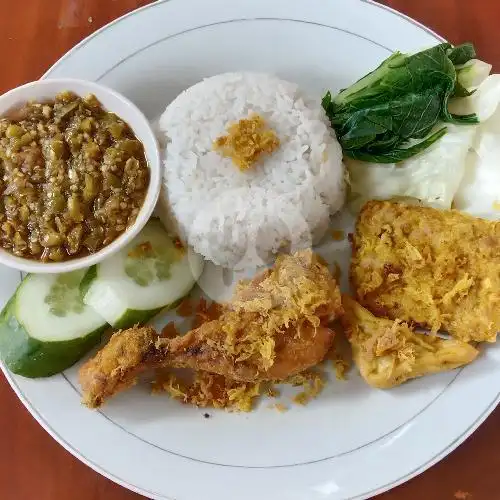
point(389, 352)
point(432, 268)
point(276, 326)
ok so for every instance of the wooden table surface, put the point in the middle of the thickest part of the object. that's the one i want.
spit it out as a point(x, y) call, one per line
point(34, 34)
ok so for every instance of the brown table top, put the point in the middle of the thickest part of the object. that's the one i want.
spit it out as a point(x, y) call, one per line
point(34, 34)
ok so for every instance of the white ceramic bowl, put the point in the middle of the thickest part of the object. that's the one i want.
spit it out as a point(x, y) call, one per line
point(126, 110)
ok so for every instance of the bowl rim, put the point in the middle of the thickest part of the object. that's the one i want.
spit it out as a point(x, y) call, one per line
point(154, 163)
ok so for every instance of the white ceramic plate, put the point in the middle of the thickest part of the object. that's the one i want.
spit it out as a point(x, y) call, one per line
point(352, 442)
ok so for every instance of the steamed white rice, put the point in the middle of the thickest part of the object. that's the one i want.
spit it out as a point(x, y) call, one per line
point(240, 219)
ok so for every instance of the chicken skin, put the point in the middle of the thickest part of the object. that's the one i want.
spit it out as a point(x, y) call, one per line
point(388, 353)
point(276, 326)
point(433, 268)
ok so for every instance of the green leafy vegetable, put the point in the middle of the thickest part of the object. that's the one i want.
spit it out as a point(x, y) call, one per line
point(378, 118)
point(398, 154)
point(466, 55)
point(461, 54)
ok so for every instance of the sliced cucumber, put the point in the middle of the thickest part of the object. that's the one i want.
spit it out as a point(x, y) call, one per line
point(150, 274)
point(45, 327)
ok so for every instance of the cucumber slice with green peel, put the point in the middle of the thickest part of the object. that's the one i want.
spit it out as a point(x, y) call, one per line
point(45, 327)
point(148, 275)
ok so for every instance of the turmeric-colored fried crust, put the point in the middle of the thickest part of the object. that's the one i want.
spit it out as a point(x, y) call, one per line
point(276, 326)
point(389, 352)
point(432, 268)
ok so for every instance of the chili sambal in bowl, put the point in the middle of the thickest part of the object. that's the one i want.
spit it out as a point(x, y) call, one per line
point(80, 174)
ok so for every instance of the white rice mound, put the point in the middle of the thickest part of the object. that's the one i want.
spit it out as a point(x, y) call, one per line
point(241, 219)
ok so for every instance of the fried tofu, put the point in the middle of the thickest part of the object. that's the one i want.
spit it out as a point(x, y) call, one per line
point(389, 352)
point(435, 269)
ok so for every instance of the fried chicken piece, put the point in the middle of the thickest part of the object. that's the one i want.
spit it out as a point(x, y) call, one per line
point(388, 353)
point(116, 366)
point(436, 269)
point(276, 326)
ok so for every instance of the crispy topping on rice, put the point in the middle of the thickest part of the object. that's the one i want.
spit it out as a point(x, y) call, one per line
point(247, 141)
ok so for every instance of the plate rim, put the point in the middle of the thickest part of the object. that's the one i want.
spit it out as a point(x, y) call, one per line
point(365, 496)
point(99, 469)
point(96, 33)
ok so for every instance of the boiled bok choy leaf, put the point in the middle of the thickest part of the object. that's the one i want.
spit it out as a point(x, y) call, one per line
point(460, 169)
point(393, 113)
